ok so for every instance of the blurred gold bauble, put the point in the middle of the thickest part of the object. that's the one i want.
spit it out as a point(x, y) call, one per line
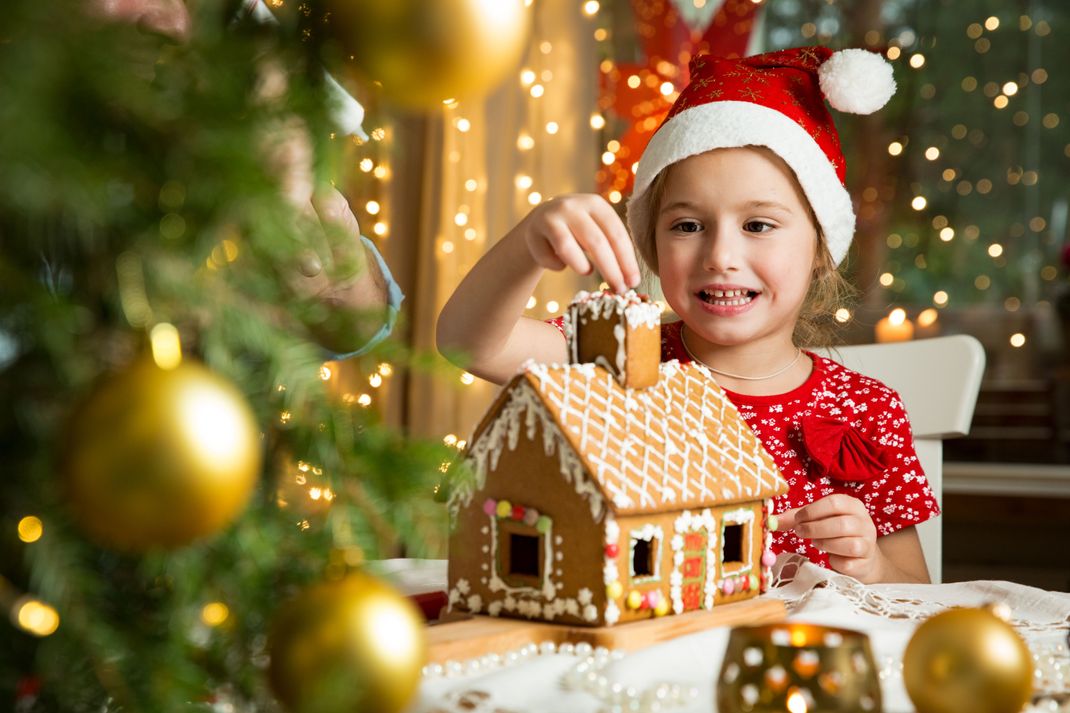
point(424, 52)
point(157, 458)
point(355, 644)
point(967, 661)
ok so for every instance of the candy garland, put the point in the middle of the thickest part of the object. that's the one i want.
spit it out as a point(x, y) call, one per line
point(588, 676)
point(611, 571)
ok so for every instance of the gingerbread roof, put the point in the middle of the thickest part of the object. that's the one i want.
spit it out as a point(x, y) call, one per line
point(676, 445)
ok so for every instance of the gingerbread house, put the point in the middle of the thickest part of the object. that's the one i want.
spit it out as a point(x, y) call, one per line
point(611, 489)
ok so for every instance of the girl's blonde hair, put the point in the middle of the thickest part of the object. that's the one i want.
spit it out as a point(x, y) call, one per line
point(829, 290)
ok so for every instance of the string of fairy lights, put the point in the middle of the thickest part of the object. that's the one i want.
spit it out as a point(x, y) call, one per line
point(1005, 94)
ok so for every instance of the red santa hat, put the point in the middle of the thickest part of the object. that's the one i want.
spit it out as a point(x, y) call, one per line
point(774, 100)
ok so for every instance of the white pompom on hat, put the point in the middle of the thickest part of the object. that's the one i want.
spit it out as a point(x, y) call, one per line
point(774, 100)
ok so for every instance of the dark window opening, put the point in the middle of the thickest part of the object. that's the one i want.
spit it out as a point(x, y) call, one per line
point(524, 555)
point(732, 551)
point(643, 552)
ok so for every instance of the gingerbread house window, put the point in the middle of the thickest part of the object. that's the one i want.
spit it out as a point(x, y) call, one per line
point(521, 554)
point(732, 543)
point(645, 552)
point(524, 555)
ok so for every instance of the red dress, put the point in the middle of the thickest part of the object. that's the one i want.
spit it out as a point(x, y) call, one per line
point(839, 432)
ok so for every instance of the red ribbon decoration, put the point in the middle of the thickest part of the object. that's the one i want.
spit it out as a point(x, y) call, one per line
point(840, 450)
point(668, 44)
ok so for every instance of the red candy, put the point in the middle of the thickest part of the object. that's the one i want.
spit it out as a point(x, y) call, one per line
point(518, 512)
point(612, 551)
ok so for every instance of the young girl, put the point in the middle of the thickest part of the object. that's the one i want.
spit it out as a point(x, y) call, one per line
point(740, 210)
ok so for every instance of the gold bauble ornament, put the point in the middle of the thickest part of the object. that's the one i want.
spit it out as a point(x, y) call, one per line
point(967, 661)
point(157, 458)
point(425, 52)
point(354, 644)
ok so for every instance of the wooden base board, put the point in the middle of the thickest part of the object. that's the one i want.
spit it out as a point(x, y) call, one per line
point(479, 635)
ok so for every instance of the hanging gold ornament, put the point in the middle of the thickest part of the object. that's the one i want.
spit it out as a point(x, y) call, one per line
point(425, 52)
point(967, 661)
point(157, 458)
point(354, 644)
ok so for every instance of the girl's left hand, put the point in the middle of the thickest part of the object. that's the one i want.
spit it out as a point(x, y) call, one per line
point(841, 526)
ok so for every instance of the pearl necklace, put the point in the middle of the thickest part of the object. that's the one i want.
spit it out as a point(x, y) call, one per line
point(778, 372)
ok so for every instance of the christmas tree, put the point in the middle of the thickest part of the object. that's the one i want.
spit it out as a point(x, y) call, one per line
point(146, 253)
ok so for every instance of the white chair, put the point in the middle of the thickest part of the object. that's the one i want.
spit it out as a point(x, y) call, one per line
point(938, 380)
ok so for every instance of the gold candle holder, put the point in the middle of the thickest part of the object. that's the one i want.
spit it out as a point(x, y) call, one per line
point(797, 668)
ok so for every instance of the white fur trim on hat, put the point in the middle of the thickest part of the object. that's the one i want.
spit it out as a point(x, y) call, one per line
point(856, 81)
point(733, 124)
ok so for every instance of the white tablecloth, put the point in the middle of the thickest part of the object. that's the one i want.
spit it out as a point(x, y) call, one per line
point(527, 681)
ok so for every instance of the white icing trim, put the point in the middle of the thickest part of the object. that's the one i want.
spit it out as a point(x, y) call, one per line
point(654, 534)
point(742, 516)
point(688, 522)
point(732, 124)
point(524, 407)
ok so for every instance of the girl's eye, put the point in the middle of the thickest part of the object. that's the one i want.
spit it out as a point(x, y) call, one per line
point(687, 226)
point(757, 226)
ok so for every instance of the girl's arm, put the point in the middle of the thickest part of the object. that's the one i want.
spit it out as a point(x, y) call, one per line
point(482, 327)
point(903, 558)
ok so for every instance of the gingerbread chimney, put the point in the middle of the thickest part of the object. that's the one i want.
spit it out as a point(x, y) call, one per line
point(621, 333)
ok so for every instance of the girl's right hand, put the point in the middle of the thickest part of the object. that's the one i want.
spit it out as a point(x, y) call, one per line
point(582, 231)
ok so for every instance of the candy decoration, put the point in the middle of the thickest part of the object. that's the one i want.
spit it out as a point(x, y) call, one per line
point(635, 599)
point(543, 524)
point(518, 512)
point(771, 523)
point(489, 506)
point(729, 586)
point(768, 558)
point(531, 516)
point(662, 608)
point(651, 599)
point(614, 590)
point(505, 508)
point(612, 550)
point(752, 582)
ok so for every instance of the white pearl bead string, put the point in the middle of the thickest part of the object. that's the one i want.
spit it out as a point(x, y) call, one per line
point(588, 676)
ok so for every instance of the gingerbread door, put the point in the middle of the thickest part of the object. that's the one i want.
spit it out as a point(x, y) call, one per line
point(693, 569)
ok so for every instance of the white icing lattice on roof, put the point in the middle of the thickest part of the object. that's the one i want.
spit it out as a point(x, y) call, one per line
point(677, 444)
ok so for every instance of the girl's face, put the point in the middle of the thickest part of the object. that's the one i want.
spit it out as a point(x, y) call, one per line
point(735, 244)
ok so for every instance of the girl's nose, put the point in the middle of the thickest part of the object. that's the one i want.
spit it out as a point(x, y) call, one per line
point(722, 253)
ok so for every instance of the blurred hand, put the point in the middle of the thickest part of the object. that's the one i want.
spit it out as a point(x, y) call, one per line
point(581, 231)
point(165, 17)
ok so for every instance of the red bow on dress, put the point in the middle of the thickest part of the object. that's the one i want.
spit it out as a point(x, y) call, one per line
point(839, 450)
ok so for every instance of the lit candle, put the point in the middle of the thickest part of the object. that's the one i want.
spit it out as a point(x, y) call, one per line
point(928, 324)
point(895, 327)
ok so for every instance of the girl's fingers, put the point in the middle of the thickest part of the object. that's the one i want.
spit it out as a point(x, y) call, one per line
point(830, 505)
point(830, 527)
point(543, 254)
point(850, 547)
point(612, 227)
point(595, 243)
point(786, 520)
